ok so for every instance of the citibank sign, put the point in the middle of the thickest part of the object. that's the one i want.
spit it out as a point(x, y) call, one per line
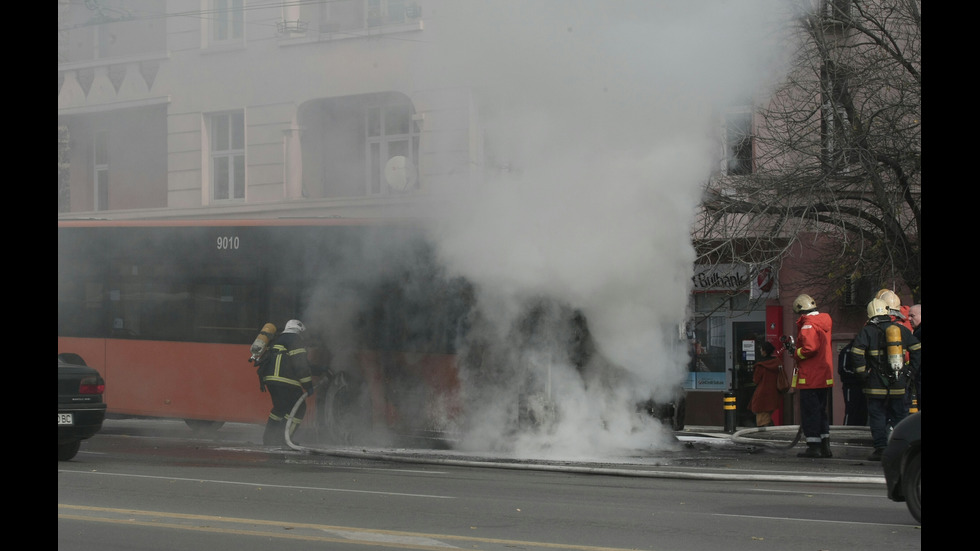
point(721, 277)
point(733, 278)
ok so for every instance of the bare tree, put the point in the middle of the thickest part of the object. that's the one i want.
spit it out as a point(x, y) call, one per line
point(835, 153)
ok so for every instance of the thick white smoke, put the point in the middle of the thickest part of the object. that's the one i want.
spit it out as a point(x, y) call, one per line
point(600, 127)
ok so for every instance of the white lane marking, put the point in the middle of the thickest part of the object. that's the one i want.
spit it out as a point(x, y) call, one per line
point(257, 484)
point(811, 520)
point(357, 535)
point(873, 496)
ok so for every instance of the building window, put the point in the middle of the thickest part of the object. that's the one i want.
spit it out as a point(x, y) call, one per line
point(227, 21)
point(837, 9)
point(347, 15)
point(100, 163)
point(707, 342)
point(392, 144)
point(227, 131)
point(385, 12)
point(834, 127)
point(738, 142)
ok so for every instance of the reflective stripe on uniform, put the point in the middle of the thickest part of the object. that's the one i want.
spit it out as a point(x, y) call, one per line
point(273, 378)
point(884, 391)
point(276, 377)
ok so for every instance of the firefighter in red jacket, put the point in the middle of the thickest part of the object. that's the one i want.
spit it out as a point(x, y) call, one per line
point(815, 362)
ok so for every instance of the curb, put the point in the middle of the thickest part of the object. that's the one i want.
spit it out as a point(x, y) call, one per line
point(638, 470)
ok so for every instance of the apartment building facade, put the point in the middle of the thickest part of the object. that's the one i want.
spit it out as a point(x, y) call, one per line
point(205, 108)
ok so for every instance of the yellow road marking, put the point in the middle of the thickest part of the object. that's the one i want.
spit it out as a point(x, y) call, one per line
point(296, 530)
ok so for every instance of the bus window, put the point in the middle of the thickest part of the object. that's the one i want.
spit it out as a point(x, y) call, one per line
point(155, 310)
point(225, 312)
point(81, 306)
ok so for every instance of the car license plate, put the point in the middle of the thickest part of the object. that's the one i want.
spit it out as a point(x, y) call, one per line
point(65, 419)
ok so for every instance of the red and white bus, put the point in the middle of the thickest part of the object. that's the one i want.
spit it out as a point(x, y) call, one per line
point(167, 310)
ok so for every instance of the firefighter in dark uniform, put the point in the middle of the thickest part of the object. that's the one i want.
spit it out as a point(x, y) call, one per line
point(898, 312)
point(287, 377)
point(879, 359)
point(855, 403)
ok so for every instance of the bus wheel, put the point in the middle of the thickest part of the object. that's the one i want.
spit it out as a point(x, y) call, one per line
point(342, 421)
point(200, 425)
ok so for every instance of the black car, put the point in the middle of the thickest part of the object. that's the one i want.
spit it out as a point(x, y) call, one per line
point(902, 463)
point(80, 406)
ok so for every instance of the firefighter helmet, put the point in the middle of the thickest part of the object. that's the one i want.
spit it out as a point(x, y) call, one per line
point(804, 303)
point(877, 307)
point(890, 298)
point(294, 326)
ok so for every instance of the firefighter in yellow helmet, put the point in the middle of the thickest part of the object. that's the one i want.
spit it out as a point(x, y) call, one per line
point(898, 312)
point(878, 354)
point(815, 361)
point(287, 377)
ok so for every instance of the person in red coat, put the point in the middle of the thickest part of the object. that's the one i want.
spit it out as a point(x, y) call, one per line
point(766, 398)
point(815, 361)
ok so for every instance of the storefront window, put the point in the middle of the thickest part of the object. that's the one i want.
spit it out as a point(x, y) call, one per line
point(707, 338)
point(711, 336)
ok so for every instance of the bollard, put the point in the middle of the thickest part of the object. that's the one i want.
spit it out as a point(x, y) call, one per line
point(730, 412)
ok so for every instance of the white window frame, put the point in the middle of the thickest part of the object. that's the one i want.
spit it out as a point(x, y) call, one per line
point(383, 145)
point(376, 16)
point(98, 36)
point(100, 170)
point(225, 23)
point(379, 13)
point(226, 155)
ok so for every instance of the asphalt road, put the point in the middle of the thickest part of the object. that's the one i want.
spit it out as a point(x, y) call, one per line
point(157, 485)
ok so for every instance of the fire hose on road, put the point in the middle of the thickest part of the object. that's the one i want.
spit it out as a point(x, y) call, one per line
point(842, 433)
point(333, 384)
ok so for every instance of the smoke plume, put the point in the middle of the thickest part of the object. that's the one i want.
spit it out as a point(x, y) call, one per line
point(600, 123)
point(601, 126)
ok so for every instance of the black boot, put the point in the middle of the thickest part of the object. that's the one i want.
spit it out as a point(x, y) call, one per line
point(274, 433)
point(825, 447)
point(812, 450)
point(876, 455)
